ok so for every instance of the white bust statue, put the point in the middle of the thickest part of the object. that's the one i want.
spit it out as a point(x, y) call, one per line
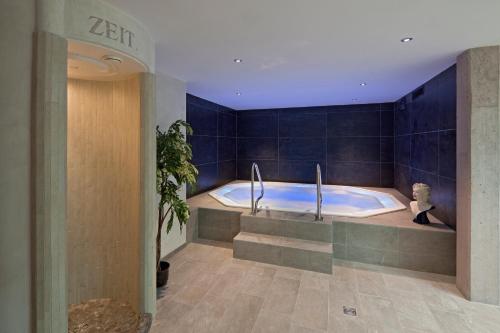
point(420, 207)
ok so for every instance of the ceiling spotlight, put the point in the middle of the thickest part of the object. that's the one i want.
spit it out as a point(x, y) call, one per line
point(238, 93)
point(406, 39)
point(112, 58)
point(238, 60)
point(362, 84)
point(354, 99)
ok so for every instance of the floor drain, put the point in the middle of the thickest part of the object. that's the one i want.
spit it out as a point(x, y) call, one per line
point(349, 311)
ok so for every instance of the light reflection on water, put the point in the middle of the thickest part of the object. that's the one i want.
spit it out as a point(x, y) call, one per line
point(305, 197)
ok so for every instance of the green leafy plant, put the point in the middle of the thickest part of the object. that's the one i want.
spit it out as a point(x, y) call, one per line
point(173, 169)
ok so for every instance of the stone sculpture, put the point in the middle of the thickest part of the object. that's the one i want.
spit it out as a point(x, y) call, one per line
point(420, 207)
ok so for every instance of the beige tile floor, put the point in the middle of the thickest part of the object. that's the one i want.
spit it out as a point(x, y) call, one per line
point(209, 291)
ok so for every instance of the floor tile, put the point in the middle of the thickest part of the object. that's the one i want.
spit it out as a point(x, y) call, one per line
point(344, 323)
point(272, 322)
point(379, 314)
point(315, 280)
point(211, 292)
point(452, 322)
point(241, 314)
point(282, 295)
point(311, 309)
point(370, 283)
point(412, 311)
point(300, 329)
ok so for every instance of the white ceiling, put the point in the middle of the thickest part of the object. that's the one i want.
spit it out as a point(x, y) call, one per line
point(311, 52)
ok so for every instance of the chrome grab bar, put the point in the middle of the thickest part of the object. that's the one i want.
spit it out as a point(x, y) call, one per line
point(255, 204)
point(319, 196)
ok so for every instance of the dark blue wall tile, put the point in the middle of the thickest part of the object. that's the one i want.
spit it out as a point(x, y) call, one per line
point(203, 121)
point(353, 149)
point(268, 169)
point(433, 144)
point(226, 124)
point(214, 142)
point(356, 174)
point(204, 149)
point(203, 103)
point(222, 108)
point(355, 107)
point(448, 99)
point(302, 148)
point(387, 123)
point(419, 176)
point(444, 198)
point(387, 107)
point(257, 124)
point(354, 133)
point(387, 174)
point(424, 152)
point(387, 149)
point(402, 111)
point(226, 172)
point(447, 154)
point(299, 171)
point(353, 123)
point(294, 124)
point(257, 148)
point(227, 149)
point(425, 109)
point(402, 149)
point(402, 179)
point(206, 180)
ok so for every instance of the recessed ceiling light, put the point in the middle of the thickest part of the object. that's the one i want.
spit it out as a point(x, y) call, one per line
point(112, 58)
point(406, 39)
point(354, 99)
point(238, 93)
point(238, 60)
point(362, 84)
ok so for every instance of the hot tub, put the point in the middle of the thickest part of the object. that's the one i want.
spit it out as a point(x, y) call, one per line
point(292, 197)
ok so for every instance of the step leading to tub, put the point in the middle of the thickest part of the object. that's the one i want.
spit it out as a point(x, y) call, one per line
point(293, 225)
point(284, 251)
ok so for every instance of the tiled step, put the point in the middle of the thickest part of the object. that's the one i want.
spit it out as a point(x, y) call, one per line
point(293, 225)
point(284, 251)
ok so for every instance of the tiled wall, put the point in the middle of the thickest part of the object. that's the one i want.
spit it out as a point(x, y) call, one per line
point(213, 142)
point(353, 144)
point(425, 132)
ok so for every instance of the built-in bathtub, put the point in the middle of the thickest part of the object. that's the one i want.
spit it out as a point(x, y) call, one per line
point(292, 197)
point(389, 239)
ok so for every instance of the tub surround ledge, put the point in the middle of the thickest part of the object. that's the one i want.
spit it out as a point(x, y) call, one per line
point(388, 239)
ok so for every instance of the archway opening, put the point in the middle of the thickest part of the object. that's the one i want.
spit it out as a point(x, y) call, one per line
point(103, 190)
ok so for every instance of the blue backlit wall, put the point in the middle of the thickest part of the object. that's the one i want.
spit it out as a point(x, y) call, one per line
point(213, 142)
point(354, 144)
point(425, 136)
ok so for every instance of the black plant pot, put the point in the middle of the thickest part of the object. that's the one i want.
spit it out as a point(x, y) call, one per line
point(162, 275)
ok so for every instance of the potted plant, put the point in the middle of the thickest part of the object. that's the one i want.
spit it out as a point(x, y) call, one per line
point(173, 169)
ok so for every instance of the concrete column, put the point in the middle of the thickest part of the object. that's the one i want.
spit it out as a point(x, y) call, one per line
point(49, 143)
point(478, 174)
point(17, 23)
point(147, 289)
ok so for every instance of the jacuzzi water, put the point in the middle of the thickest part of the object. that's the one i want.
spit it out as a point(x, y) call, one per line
point(292, 197)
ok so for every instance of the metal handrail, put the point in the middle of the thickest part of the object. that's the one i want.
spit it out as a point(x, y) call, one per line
point(255, 204)
point(319, 196)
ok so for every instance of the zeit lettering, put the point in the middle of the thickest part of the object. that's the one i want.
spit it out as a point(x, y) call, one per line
point(110, 30)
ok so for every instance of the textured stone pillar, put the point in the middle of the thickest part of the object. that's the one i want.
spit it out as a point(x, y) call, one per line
point(478, 174)
point(49, 142)
point(147, 289)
